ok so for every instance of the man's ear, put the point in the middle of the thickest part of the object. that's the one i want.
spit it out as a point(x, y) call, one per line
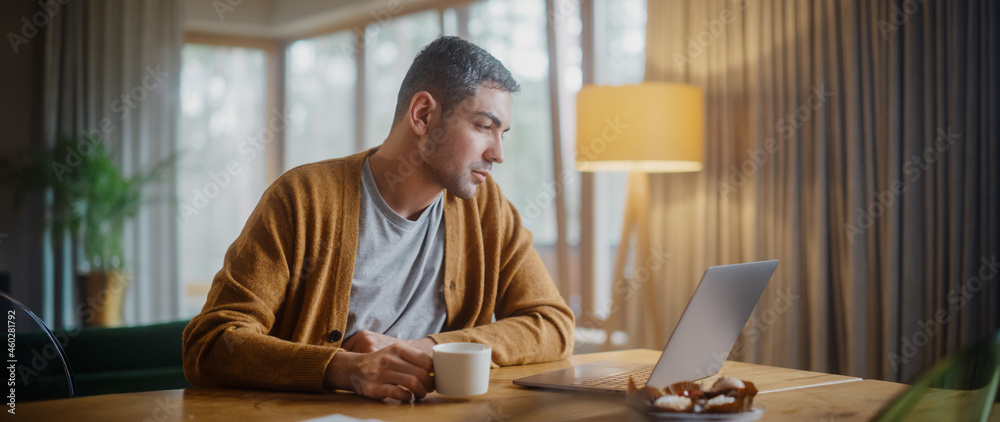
point(422, 112)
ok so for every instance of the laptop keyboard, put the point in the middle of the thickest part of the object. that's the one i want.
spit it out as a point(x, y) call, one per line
point(619, 380)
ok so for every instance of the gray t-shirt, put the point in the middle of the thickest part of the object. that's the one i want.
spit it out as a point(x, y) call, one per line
point(398, 287)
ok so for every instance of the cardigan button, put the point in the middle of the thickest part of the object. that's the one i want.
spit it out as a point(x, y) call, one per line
point(334, 336)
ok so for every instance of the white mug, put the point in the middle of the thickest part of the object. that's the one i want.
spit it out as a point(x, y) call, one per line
point(462, 369)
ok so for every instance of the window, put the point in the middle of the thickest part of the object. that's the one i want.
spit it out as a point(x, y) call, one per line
point(223, 137)
point(620, 58)
point(568, 45)
point(514, 32)
point(390, 47)
point(620, 32)
point(321, 88)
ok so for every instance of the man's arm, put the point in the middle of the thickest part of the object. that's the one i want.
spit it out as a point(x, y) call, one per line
point(229, 342)
point(534, 324)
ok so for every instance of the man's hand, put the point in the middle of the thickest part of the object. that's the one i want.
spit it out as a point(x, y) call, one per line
point(395, 371)
point(365, 341)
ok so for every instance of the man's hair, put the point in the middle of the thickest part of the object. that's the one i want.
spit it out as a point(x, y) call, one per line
point(451, 69)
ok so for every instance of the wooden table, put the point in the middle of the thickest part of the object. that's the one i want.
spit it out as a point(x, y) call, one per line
point(787, 394)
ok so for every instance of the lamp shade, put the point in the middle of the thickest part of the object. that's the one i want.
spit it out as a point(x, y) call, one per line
point(647, 127)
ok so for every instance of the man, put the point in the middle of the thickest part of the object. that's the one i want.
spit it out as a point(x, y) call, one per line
point(350, 270)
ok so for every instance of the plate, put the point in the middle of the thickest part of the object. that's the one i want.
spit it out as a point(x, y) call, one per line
point(727, 417)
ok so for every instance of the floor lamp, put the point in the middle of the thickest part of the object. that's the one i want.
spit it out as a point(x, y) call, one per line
point(641, 129)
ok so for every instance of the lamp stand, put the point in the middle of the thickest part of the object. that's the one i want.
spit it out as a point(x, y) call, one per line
point(627, 289)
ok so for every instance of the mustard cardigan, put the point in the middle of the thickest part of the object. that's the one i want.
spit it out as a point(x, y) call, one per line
point(278, 307)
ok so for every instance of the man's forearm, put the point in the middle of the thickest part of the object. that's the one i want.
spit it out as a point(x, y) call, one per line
point(521, 339)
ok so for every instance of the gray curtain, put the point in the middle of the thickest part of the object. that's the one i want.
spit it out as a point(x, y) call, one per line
point(857, 142)
point(113, 68)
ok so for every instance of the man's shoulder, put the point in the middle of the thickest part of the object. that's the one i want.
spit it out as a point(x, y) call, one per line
point(329, 174)
point(316, 170)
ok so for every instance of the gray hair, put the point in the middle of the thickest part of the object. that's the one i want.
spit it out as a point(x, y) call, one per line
point(451, 69)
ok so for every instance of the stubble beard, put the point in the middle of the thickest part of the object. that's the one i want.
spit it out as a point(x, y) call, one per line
point(435, 163)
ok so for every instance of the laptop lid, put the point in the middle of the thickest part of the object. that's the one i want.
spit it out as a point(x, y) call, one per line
point(712, 322)
point(699, 345)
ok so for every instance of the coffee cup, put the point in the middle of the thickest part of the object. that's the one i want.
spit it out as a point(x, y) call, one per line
point(462, 369)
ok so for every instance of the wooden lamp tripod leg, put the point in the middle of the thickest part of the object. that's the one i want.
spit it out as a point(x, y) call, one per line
point(625, 314)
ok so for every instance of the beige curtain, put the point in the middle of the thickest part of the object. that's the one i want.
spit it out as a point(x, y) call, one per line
point(857, 142)
point(112, 67)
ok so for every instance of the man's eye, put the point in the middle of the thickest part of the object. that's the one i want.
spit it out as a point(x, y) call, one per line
point(484, 127)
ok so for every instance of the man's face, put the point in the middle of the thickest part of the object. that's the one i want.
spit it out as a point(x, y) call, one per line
point(460, 152)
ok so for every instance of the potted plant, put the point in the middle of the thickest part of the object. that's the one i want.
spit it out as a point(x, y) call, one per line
point(91, 200)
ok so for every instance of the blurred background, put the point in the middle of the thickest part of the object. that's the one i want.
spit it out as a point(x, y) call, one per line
point(854, 140)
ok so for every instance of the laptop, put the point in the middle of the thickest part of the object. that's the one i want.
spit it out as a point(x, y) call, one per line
point(700, 343)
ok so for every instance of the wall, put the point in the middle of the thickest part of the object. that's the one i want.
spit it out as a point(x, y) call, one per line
point(21, 77)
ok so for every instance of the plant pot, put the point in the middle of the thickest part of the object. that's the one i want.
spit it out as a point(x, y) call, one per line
point(104, 296)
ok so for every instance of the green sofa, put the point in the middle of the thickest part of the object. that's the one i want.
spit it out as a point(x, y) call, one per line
point(125, 359)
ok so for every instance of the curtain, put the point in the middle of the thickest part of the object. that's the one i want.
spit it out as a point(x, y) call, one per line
point(113, 68)
point(857, 142)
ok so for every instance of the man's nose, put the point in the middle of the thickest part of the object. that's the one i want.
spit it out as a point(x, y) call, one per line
point(495, 152)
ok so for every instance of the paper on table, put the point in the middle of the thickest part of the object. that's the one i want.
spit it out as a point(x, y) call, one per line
point(339, 418)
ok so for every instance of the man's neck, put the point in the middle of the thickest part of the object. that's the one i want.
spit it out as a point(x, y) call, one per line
point(402, 183)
